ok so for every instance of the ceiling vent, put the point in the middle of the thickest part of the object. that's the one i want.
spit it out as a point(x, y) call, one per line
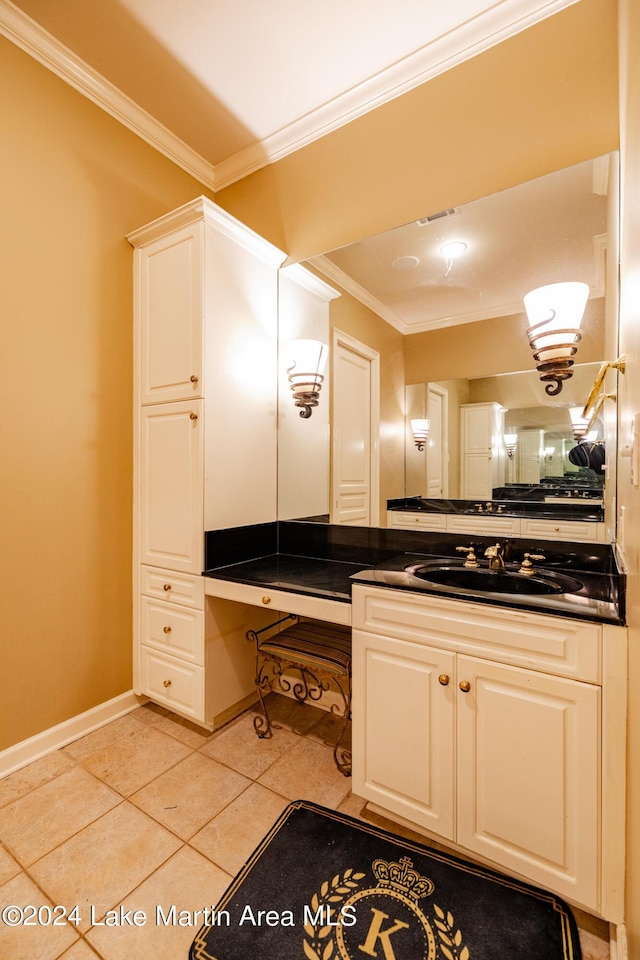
point(438, 216)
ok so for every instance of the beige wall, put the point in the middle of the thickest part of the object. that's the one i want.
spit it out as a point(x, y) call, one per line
point(629, 405)
point(488, 347)
point(73, 183)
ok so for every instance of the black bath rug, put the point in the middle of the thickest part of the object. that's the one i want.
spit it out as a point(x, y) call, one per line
point(324, 886)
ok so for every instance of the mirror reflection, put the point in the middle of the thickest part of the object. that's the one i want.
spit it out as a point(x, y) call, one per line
point(438, 305)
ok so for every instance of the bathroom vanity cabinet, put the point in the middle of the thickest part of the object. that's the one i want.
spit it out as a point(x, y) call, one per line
point(495, 524)
point(205, 351)
point(497, 730)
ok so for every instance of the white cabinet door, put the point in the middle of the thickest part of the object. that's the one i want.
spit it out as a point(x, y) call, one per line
point(482, 450)
point(528, 773)
point(170, 508)
point(403, 729)
point(169, 295)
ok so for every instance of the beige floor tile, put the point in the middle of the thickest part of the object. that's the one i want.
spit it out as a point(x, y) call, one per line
point(308, 772)
point(239, 746)
point(80, 951)
point(593, 948)
point(135, 758)
point(102, 737)
point(46, 817)
point(180, 728)
point(187, 881)
point(32, 776)
point(233, 835)
point(8, 866)
point(105, 861)
point(352, 805)
point(46, 942)
point(190, 794)
point(287, 712)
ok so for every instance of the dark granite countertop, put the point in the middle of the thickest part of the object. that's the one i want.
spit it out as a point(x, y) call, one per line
point(598, 599)
point(325, 560)
point(321, 578)
point(555, 508)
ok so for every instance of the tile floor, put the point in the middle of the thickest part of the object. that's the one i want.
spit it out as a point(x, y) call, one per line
point(151, 810)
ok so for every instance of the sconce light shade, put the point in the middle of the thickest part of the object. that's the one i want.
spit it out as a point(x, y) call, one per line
point(420, 431)
point(306, 360)
point(510, 442)
point(555, 314)
point(579, 423)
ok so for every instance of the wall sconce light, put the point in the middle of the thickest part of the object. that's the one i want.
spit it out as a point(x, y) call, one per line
point(305, 371)
point(597, 397)
point(549, 452)
point(579, 423)
point(555, 314)
point(510, 442)
point(420, 431)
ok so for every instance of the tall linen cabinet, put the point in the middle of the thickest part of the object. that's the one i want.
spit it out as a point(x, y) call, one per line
point(205, 446)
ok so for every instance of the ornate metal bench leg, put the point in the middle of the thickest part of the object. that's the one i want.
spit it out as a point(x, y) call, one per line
point(343, 757)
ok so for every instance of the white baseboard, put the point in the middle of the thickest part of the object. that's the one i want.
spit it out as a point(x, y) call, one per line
point(13, 758)
point(618, 943)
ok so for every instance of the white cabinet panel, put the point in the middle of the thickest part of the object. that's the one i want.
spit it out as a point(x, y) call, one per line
point(169, 292)
point(171, 464)
point(173, 683)
point(403, 729)
point(528, 766)
point(584, 531)
point(172, 629)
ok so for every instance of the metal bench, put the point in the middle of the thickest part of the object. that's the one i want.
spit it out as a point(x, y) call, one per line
point(305, 660)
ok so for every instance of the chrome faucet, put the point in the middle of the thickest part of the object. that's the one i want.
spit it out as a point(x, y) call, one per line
point(496, 557)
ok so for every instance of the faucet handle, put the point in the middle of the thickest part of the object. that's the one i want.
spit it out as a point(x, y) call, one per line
point(471, 559)
point(526, 566)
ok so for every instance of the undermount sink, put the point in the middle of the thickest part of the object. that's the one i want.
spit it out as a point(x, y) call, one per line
point(483, 580)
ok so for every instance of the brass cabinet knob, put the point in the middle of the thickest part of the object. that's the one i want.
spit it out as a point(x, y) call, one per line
point(167, 629)
point(166, 587)
point(465, 686)
point(193, 378)
point(167, 683)
point(266, 600)
point(193, 416)
point(443, 679)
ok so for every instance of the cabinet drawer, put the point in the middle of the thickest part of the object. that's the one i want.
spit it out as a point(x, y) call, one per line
point(554, 645)
point(417, 521)
point(173, 630)
point(280, 601)
point(579, 530)
point(172, 587)
point(484, 525)
point(177, 685)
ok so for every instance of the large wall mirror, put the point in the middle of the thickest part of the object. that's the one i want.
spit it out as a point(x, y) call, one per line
point(456, 323)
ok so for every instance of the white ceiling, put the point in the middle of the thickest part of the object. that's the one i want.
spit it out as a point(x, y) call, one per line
point(224, 88)
point(545, 231)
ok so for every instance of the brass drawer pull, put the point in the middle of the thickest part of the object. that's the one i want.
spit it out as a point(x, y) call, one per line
point(443, 679)
point(266, 600)
point(193, 378)
point(166, 587)
point(465, 686)
point(193, 416)
point(167, 683)
point(166, 629)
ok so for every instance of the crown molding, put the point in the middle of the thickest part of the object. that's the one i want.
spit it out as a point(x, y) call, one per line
point(502, 20)
point(20, 29)
point(329, 269)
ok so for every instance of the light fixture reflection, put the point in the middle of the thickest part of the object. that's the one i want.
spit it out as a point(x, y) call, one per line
point(306, 360)
point(510, 443)
point(420, 431)
point(555, 313)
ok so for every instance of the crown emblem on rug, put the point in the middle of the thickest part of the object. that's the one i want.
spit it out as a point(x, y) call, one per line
point(402, 878)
